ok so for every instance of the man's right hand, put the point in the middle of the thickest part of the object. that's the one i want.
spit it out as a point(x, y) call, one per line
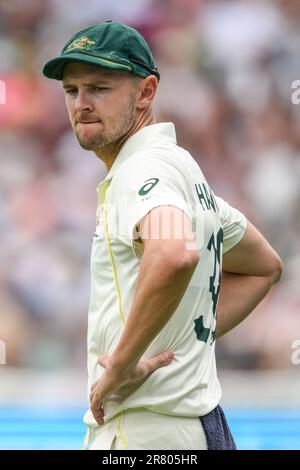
point(142, 371)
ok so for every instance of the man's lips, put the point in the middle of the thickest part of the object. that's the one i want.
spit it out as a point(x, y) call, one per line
point(87, 122)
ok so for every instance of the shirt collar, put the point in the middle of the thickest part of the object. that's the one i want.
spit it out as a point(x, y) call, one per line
point(141, 140)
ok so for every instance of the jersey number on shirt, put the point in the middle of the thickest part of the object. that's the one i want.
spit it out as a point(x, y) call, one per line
point(215, 244)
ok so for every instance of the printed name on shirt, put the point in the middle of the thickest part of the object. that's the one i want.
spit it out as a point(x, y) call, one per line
point(206, 197)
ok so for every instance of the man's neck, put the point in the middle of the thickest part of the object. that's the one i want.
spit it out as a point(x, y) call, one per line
point(109, 153)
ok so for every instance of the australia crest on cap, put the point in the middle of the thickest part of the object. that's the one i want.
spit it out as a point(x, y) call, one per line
point(81, 43)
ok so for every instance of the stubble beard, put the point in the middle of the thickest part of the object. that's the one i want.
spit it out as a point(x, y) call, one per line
point(119, 128)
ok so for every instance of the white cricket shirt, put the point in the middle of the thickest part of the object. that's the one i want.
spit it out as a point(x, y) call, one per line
point(151, 171)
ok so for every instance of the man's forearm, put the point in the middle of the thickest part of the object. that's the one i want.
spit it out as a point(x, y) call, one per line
point(239, 295)
point(159, 290)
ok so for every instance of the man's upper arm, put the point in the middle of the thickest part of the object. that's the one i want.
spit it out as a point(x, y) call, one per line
point(168, 230)
point(245, 250)
point(252, 256)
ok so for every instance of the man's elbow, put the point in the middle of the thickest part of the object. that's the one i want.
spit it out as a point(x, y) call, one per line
point(276, 269)
point(178, 258)
point(187, 261)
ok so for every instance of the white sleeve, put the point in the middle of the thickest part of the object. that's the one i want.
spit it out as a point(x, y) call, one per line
point(233, 222)
point(150, 183)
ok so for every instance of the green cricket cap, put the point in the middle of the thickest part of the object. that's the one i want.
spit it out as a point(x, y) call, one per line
point(111, 45)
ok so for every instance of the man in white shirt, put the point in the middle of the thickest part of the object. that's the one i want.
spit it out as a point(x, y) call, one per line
point(162, 239)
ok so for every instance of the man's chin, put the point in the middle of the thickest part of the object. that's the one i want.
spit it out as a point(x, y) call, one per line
point(90, 144)
point(86, 145)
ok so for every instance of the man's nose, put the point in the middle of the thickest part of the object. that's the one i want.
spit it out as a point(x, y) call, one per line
point(82, 102)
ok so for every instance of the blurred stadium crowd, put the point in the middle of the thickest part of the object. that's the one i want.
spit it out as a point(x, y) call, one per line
point(227, 67)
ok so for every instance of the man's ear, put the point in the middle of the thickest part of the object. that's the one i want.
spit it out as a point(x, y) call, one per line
point(148, 87)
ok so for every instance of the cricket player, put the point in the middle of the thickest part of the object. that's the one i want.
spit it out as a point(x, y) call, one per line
point(162, 240)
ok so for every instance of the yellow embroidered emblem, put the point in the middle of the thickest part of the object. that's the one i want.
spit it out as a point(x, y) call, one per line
point(80, 43)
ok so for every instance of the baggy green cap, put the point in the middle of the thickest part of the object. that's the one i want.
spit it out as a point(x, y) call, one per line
point(110, 45)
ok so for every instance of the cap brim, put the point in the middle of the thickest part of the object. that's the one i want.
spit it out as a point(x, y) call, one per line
point(55, 67)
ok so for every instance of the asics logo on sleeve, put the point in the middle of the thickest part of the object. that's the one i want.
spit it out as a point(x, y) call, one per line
point(149, 184)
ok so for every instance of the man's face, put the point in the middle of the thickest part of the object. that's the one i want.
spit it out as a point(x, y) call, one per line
point(101, 104)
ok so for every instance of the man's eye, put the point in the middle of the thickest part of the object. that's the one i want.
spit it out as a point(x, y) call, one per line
point(71, 91)
point(99, 88)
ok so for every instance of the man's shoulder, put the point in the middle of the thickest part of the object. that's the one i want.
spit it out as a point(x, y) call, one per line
point(167, 157)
